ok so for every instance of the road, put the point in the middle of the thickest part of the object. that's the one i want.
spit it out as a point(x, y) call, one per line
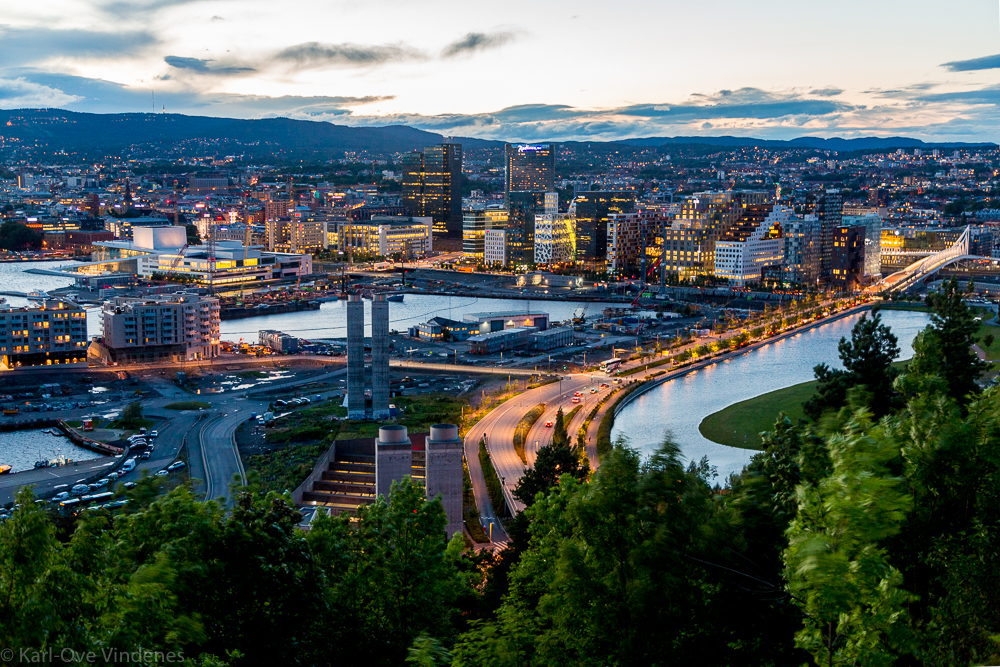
point(214, 455)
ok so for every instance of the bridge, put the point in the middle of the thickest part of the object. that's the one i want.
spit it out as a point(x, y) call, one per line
point(916, 272)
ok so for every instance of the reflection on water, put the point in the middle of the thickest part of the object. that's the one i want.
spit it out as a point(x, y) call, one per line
point(680, 405)
point(20, 449)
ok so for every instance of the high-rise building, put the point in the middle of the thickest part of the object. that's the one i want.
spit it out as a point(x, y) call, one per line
point(522, 207)
point(495, 248)
point(555, 238)
point(752, 245)
point(802, 240)
point(872, 224)
point(828, 209)
point(43, 334)
point(380, 357)
point(592, 210)
point(432, 187)
point(848, 257)
point(355, 357)
point(529, 167)
point(475, 223)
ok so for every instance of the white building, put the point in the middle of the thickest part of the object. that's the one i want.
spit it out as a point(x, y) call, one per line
point(173, 327)
point(495, 247)
point(753, 243)
point(386, 235)
point(555, 238)
point(48, 332)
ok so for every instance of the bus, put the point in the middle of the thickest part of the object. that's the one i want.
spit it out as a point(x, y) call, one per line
point(611, 365)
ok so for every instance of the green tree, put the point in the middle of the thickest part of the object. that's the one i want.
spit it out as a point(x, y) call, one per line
point(193, 238)
point(17, 236)
point(552, 461)
point(559, 435)
point(944, 348)
point(131, 415)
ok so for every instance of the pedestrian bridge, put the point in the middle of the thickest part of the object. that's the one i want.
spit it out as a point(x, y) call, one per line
point(916, 272)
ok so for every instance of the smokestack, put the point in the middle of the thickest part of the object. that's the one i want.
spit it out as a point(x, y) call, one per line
point(355, 357)
point(380, 357)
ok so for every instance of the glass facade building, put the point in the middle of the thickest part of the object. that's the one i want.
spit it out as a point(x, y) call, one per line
point(592, 210)
point(432, 187)
point(529, 167)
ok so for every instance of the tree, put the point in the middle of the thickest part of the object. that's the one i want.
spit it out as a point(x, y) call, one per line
point(944, 348)
point(559, 435)
point(867, 360)
point(131, 415)
point(552, 461)
point(16, 236)
point(193, 238)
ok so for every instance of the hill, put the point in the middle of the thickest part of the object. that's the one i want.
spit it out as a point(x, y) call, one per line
point(820, 143)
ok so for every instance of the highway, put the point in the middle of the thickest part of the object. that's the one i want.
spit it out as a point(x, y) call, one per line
point(213, 451)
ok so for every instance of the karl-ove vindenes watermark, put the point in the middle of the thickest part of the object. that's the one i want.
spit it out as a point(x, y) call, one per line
point(69, 656)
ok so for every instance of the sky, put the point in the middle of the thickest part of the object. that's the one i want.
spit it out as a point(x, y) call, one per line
point(522, 70)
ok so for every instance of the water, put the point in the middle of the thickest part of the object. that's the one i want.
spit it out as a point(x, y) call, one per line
point(680, 405)
point(13, 277)
point(20, 449)
point(330, 321)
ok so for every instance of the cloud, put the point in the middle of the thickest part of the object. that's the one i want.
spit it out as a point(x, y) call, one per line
point(829, 91)
point(127, 9)
point(200, 66)
point(986, 62)
point(475, 42)
point(26, 46)
point(316, 55)
point(22, 94)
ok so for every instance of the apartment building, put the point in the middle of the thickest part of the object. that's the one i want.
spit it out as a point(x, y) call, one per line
point(46, 333)
point(174, 327)
point(754, 243)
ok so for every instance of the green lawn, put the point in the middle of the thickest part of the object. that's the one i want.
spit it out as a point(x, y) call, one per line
point(993, 351)
point(740, 424)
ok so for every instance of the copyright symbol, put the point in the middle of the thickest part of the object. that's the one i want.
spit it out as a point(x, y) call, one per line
point(7, 654)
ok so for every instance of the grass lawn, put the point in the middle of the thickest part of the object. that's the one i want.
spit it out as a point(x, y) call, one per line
point(188, 405)
point(993, 351)
point(740, 424)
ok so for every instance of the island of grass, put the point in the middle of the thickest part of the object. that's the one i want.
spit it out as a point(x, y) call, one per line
point(188, 405)
point(740, 424)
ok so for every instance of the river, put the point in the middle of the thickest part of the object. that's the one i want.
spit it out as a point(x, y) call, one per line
point(677, 407)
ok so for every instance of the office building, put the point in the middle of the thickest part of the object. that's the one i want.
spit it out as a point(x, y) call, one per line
point(173, 327)
point(626, 236)
point(592, 211)
point(355, 357)
point(432, 187)
point(688, 247)
point(380, 357)
point(848, 257)
point(802, 244)
point(475, 223)
point(555, 238)
point(444, 453)
point(872, 224)
point(495, 249)
point(385, 236)
point(522, 208)
point(752, 245)
point(45, 333)
point(828, 209)
point(529, 167)
point(278, 341)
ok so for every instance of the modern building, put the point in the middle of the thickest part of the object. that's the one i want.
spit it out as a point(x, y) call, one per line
point(754, 243)
point(627, 236)
point(475, 223)
point(592, 211)
point(828, 209)
point(522, 208)
point(386, 236)
point(432, 187)
point(555, 238)
point(174, 327)
point(278, 341)
point(303, 231)
point(550, 339)
point(500, 341)
point(355, 357)
point(380, 357)
point(495, 248)
point(802, 245)
point(442, 328)
point(873, 241)
point(529, 167)
point(848, 257)
point(45, 333)
point(498, 321)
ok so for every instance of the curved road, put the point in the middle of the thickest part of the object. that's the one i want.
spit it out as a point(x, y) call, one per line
point(217, 458)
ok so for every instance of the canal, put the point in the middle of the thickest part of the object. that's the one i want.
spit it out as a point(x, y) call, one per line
point(677, 407)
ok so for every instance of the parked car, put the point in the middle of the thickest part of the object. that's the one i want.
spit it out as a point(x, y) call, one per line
point(153, 434)
point(129, 485)
point(162, 473)
point(176, 465)
point(79, 489)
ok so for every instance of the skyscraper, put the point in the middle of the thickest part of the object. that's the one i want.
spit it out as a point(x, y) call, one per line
point(828, 209)
point(592, 209)
point(432, 187)
point(522, 207)
point(529, 167)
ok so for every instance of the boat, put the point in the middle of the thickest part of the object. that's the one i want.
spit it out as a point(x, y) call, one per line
point(5, 469)
point(10, 411)
point(42, 464)
point(397, 298)
point(46, 431)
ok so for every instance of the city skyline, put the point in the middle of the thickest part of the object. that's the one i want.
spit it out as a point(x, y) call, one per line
point(560, 71)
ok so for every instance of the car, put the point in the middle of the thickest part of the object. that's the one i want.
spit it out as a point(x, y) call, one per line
point(176, 465)
point(79, 489)
point(145, 455)
point(129, 485)
point(153, 434)
point(577, 393)
point(62, 495)
point(617, 381)
point(593, 390)
point(162, 473)
point(576, 399)
point(604, 385)
point(101, 482)
point(280, 404)
point(548, 424)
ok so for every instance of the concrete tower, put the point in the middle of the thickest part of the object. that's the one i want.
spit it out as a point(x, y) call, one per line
point(444, 472)
point(393, 457)
point(355, 357)
point(380, 357)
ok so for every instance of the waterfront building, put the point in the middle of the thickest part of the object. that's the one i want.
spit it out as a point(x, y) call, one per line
point(475, 223)
point(122, 227)
point(45, 333)
point(385, 236)
point(303, 231)
point(592, 211)
point(498, 321)
point(529, 167)
point(872, 224)
point(549, 279)
point(432, 187)
point(442, 328)
point(828, 209)
point(278, 341)
point(555, 238)
point(802, 244)
point(495, 248)
point(173, 327)
point(626, 233)
point(514, 338)
point(848, 257)
point(550, 339)
point(752, 245)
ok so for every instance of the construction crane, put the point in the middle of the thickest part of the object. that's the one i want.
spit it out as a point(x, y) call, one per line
point(176, 260)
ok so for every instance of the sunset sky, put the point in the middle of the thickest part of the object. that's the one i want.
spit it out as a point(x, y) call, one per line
point(522, 70)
